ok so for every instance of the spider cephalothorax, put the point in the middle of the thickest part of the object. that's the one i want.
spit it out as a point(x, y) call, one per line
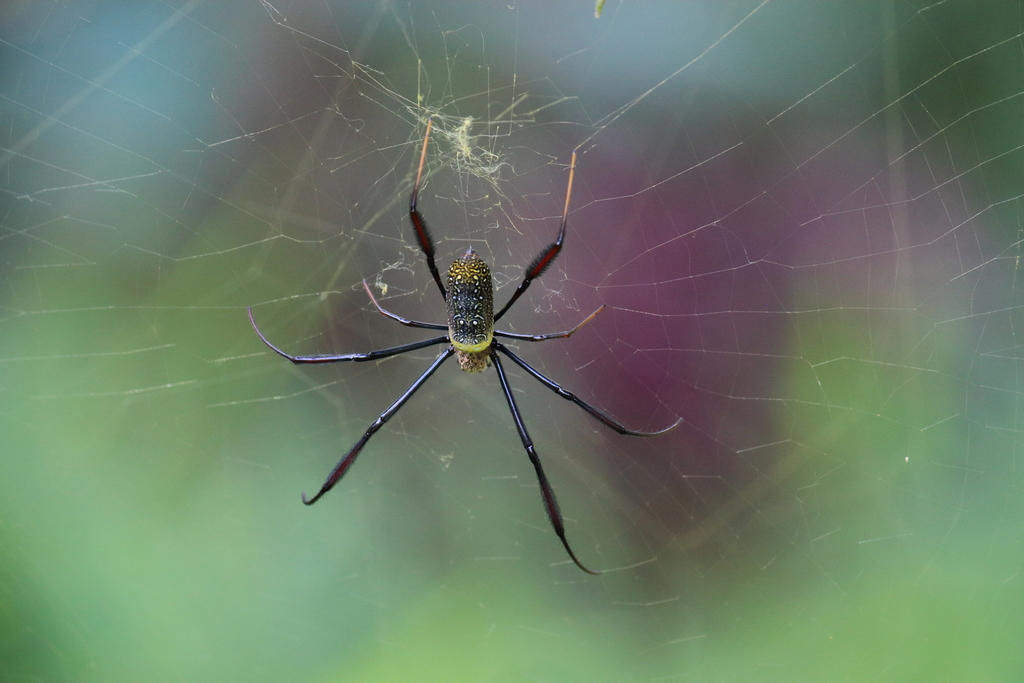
point(470, 332)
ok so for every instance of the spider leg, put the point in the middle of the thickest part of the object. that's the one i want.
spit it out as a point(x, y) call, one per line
point(419, 225)
point(546, 257)
point(339, 470)
point(357, 357)
point(604, 417)
point(406, 321)
point(553, 335)
point(550, 504)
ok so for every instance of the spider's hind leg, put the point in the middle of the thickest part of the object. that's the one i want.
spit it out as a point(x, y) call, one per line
point(545, 258)
point(419, 225)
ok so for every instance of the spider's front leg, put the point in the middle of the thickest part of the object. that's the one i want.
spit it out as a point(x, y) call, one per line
point(547, 493)
point(346, 461)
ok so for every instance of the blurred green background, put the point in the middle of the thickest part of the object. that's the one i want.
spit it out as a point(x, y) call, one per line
point(804, 219)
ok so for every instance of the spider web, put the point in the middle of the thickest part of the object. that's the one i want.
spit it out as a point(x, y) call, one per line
point(803, 219)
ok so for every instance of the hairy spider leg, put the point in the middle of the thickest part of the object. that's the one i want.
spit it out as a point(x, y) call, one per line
point(346, 462)
point(546, 257)
point(419, 225)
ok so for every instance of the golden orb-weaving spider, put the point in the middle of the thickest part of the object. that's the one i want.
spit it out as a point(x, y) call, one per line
point(469, 298)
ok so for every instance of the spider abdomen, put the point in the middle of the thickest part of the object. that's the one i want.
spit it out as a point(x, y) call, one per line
point(471, 311)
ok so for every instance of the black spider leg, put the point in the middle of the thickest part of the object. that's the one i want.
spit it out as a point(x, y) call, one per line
point(339, 470)
point(604, 417)
point(498, 333)
point(548, 494)
point(550, 335)
point(418, 224)
point(398, 318)
point(356, 357)
point(546, 257)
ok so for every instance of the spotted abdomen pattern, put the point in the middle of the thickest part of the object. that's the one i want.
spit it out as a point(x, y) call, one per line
point(471, 311)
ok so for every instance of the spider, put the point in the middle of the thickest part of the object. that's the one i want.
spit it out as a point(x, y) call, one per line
point(470, 335)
